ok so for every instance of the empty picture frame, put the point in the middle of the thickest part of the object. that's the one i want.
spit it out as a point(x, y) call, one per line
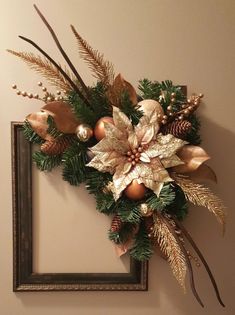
point(24, 277)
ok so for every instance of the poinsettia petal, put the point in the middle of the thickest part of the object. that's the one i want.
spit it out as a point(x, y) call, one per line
point(144, 157)
point(121, 121)
point(99, 165)
point(165, 147)
point(149, 134)
point(133, 140)
point(172, 161)
point(121, 181)
point(112, 132)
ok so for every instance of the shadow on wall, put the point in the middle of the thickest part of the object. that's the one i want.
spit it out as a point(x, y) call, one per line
point(164, 294)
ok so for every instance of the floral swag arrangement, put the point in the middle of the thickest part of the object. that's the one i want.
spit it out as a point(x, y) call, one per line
point(137, 154)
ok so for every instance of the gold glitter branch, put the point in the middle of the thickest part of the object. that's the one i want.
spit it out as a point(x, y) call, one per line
point(202, 196)
point(102, 69)
point(45, 68)
point(170, 247)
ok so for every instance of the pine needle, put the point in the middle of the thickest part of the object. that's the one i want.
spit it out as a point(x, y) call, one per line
point(170, 247)
point(202, 196)
point(102, 69)
point(45, 68)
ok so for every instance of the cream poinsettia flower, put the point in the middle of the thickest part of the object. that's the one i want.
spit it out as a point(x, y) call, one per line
point(136, 152)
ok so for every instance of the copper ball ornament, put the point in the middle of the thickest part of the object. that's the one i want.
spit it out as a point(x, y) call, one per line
point(135, 191)
point(99, 131)
point(84, 132)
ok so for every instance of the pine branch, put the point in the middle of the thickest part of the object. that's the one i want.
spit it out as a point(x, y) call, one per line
point(99, 101)
point(166, 197)
point(105, 203)
point(128, 210)
point(131, 111)
point(52, 129)
point(46, 162)
point(74, 164)
point(96, 181)
point(45, 68)
point(142, 249)
point(83, 112)
point(102, 70)
point(179, 207)
point(125, 233)
point(193, 137)
point(30, 134)
point(149, 89)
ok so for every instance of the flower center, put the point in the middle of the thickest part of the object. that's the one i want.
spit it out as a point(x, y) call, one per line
point(133, 156)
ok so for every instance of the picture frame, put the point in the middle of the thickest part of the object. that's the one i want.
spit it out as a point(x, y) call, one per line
point(24, 277)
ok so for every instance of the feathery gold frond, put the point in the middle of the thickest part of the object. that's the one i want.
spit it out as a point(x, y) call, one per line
point(170, 248)
point(45, 68)
point(202, 196)
point(102, 69)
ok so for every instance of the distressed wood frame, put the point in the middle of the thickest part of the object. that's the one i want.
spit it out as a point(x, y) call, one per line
point(24, 279)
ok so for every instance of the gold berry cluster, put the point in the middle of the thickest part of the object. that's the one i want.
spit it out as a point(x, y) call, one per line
point(133, 156)
point(186, 109)
point(47, 97)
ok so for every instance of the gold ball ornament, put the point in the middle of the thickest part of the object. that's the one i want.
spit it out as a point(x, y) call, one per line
point(145, 210)
point(84, 132)
point(135, 191)
point(99, 131)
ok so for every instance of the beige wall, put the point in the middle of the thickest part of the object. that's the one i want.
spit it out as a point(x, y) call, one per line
point(190, 42)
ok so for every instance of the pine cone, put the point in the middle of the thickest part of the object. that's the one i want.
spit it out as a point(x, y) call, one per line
point(116, 224)
point(179, 129)
point(56, 146)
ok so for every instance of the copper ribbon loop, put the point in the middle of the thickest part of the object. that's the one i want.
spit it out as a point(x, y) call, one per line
point(62, 114)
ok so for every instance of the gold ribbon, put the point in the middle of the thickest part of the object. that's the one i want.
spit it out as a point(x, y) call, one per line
point(64, 118)
point(194, 158)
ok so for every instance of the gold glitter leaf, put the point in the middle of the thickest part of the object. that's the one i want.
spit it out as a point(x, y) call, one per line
point(45, 68)
point(202, 196)
point(102, 69)
point(170, 248)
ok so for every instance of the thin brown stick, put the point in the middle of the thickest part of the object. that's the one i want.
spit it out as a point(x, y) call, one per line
point(58, 67)
point(190, 269)
point(62, 51)
point(197, 250)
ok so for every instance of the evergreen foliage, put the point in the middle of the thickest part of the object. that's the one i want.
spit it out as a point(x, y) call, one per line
point(46, 162)
point(52, 129)
point(123, 235)
point(193, 137)
point(149, 89)
point(96, 181)
point(128, 210)
point(180, 206)
point(74, 161)
point(131, 111)
point(161, 92)
point(30, 134)
point(83, 112)
point(142, 249)
point(166, 197)
point(99, 101)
